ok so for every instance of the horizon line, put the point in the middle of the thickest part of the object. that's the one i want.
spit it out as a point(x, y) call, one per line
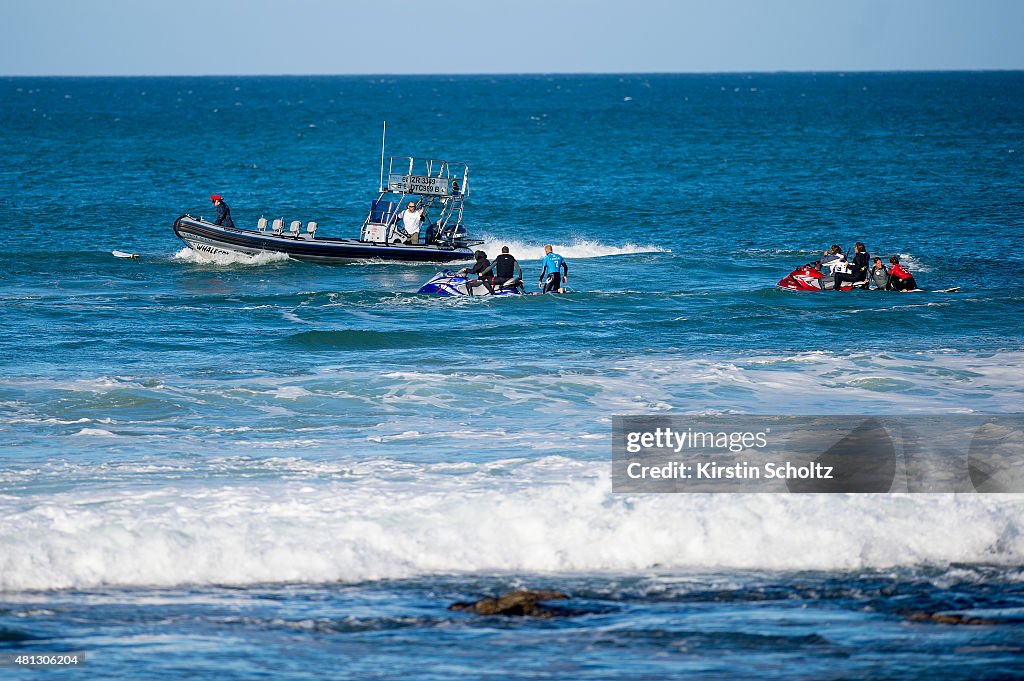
point(511, 73)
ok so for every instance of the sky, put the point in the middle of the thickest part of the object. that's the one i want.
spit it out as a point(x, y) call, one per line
point(249, 37)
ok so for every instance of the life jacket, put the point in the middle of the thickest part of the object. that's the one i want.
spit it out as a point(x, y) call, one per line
point(836, 264)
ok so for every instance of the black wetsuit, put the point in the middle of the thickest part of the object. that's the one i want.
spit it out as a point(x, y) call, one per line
point(479, 268)
point(908, 284)
point(506, 271)
point(858, 270)
point(224, 215)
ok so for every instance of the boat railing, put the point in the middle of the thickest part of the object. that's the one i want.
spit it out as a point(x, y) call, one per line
point(435, 183)
point(451, 212)
point(427, 176)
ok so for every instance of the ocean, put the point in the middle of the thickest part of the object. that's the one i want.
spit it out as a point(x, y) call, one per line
point(241, 468)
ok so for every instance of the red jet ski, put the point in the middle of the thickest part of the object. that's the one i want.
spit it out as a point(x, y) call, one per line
point(809, 277)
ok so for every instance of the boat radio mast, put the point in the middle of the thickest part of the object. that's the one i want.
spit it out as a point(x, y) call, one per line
point(382, 136)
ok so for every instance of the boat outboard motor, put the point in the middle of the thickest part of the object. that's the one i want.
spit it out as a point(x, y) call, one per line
point(459, 235)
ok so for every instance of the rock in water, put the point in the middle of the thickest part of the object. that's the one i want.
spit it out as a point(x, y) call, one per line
point(519, 603)
point(939, 618)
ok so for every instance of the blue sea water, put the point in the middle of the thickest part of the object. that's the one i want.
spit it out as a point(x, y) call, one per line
point(262, 468)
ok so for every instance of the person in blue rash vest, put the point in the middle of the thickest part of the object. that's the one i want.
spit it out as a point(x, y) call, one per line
point(223, 212)
point(552, 266)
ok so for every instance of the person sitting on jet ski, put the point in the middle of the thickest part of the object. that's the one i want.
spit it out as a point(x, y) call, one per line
point(899, 278)
point(859, 271)
point(506, 271)
point(880, 275)
point(479, 268)
point(834, 259)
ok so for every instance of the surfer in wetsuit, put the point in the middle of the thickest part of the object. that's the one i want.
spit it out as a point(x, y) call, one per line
point(480, 268)
point(880, 275)
point(859, 270)
point(552, 267)
point(899, 278)
point(223, 212)
point(506, 272)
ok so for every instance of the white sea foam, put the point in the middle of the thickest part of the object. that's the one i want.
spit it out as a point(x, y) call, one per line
point(911, 263)
point(190, 255)
point(389, 519)
point(578, 248)
point(539, 414)
point(95, 432)
point(291, 392)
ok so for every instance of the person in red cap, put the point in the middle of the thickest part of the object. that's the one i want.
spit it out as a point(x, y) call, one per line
point(223, 212)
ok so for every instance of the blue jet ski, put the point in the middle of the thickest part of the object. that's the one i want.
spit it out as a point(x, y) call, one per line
point(448, 284)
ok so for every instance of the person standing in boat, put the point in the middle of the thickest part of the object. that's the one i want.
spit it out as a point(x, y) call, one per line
point(411, 221)
point(552, 267)
point(506, 271)
point(223, 212)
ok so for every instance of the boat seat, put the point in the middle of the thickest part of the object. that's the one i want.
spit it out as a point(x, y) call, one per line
point(261, 224)
point(311, 231)
point(383, 212)
point(295, 228)
point(278, 225)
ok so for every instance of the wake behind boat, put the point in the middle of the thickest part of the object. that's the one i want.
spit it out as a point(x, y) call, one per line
point(429, 229)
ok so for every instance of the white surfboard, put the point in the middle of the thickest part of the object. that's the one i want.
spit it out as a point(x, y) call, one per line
point(122, 254)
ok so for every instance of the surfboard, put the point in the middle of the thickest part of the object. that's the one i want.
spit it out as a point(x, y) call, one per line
point(954, 289)
point(122, 254)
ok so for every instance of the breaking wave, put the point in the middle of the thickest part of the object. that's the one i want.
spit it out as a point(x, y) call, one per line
point(363, 520)
point(581, 248)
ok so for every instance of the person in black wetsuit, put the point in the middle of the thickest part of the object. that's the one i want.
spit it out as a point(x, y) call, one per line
point(479, 268)
point(858, 270)
point(506, 271)
point(223, 212)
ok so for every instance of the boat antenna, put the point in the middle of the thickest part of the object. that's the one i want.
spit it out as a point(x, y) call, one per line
point(382, 136)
